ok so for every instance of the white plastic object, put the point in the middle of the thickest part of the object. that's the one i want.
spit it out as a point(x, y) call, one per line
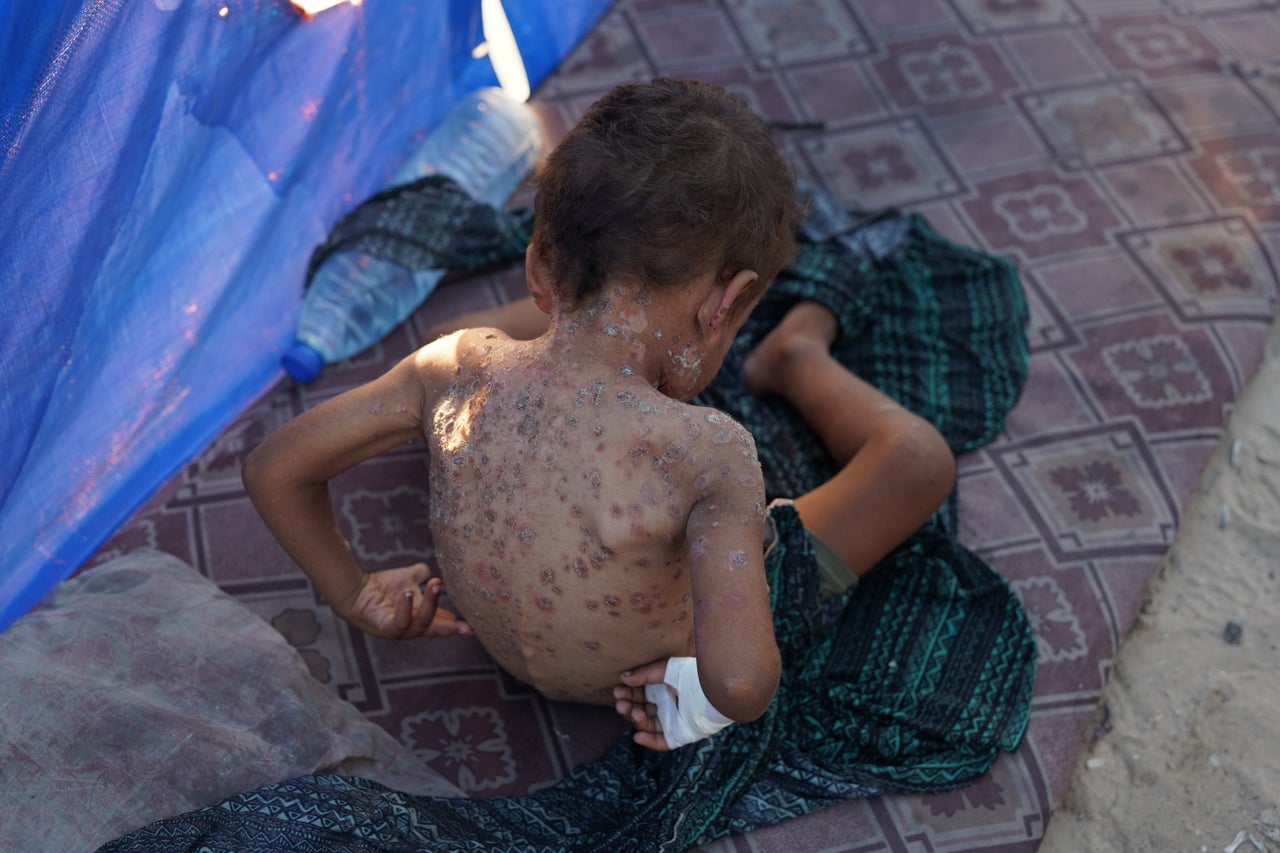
point(487, 144)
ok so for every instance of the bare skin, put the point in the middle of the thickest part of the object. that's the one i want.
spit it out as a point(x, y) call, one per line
point(588, 520)
point(897, 468)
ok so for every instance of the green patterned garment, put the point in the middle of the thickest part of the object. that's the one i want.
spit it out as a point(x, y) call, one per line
point(911, 682)
point(939, 327)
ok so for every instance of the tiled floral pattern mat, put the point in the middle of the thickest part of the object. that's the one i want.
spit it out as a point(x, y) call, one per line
point(1126, 155)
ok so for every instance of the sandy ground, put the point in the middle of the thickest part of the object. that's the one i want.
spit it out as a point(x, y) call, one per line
point(1186, 749)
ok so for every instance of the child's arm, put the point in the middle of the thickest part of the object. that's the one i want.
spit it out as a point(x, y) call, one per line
point(738, 661)
point(287, 479)
point(738, 665)
point(897, 470)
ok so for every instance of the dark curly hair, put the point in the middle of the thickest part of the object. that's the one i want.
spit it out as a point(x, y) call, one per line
point(659, 183)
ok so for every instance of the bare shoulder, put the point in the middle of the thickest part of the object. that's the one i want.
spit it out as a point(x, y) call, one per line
point(724, 452)
point(441, 362)
point(717, 432)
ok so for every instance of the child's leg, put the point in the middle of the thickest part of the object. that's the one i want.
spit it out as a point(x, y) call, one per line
point(897, 468)
point(520, 319)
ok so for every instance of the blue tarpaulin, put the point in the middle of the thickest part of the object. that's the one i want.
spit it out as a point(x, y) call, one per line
point(166, 167)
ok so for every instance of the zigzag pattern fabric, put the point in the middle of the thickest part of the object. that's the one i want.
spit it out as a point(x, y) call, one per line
point(911, 682)
point(926, 674)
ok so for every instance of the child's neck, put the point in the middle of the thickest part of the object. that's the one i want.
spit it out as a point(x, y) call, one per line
point(635, 333)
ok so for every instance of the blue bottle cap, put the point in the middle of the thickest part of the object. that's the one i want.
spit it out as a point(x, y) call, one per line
point(302, 362)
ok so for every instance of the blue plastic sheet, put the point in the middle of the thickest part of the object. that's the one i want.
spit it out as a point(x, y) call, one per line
point(166, 167)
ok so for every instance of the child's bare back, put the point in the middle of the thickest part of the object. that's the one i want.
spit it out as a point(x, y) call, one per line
point(597, 532)
point(561, 496)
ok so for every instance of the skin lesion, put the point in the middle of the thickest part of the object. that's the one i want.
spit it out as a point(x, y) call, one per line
point(633, 488)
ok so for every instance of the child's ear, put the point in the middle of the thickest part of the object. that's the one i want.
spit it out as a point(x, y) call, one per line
point(535, 278)
point(723, 302)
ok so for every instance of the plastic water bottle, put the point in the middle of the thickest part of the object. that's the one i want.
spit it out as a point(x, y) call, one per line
point(487, 144)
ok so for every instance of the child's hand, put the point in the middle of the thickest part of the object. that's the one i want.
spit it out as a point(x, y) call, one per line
point(665, 702)
point(632, 706)
point(401, 604)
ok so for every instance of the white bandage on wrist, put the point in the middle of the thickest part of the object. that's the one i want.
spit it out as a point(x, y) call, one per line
point(690, 717)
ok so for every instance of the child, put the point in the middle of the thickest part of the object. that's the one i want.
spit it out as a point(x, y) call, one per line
point(599, 534)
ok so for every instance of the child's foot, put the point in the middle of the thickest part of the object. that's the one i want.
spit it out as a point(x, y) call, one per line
point(806, 333)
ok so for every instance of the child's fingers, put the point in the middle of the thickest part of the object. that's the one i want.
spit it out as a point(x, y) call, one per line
point(432, 620)
point(419, 573)
point(652, 741)
point(623, 693)
point(457, 626)
point(440, 622)
point(426, 610)
point(650, 673)
point(645, 718)
point(447, 624)
point(624, 705)
point(403, 613)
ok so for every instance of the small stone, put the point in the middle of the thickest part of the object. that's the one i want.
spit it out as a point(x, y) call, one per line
point(1095, 762)
point(1233, 633)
